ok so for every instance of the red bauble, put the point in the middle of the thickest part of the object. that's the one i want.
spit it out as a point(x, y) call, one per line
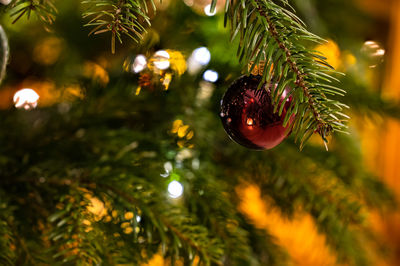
point(248, 117)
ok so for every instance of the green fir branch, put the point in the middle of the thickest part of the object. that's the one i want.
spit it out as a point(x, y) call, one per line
point(8, 255)
point(272, 35)
point(45, 10)
point(120, 17)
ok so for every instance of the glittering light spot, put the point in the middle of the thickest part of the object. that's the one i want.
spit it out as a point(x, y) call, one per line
point(128, 215)
point(210, 75)
point(190, 134)
point(128, 230)
point(139, 63)
point(176, 125)
point(182, 131)
point(138, 218)
point(177, 61)
point(207, 11)
point(175, 189)
point(202, 55)
point(125, 225)
point(161, 59)
point(250, 121)
point(26, 98)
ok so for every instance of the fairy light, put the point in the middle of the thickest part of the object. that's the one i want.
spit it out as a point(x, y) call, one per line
point(210, 75)
point(139, 64)
point(26, 98)
point(175, 189)
point(250, 121)
point(161, 59)
point(202, 55)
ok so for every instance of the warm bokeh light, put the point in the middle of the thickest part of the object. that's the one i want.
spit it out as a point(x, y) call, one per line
point(176, 125)
point(48, 51)
point(166, 80)
point(96, 72)
point(177, 62)
point(96, 207)
point(26, 98)
point(184, 133)
point(175, 189)
point(298, 236)
point(331, 51)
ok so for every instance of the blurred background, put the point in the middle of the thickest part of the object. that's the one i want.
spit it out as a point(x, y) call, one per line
point(169, 86)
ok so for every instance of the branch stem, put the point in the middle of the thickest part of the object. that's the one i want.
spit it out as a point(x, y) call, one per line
point(300, 82)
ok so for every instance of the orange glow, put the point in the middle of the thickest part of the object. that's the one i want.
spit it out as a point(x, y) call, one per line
point(249, 121)
point(96, 73)
point(298, 236)
point(178, 62)
point(332, 53)
point(48, 51)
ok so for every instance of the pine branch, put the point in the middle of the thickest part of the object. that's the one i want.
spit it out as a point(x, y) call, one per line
point(186, 233)
point(44, 9)
point(122, 17)
point(72, 235)
point(7, 239)
point(274, 36)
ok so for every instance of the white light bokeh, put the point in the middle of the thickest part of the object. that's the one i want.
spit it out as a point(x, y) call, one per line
point(210, 76)
point(168, 167)
point(139, 64)
point(5, 2)
point(175, 189)
point(26, 98)
point(202, 55)
point(207, 11)
point(161, 59)
point(138, 218)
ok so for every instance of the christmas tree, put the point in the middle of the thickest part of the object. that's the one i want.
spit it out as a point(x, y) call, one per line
point(114, 140)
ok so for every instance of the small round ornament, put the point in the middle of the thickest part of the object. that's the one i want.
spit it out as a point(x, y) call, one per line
point(248, 117)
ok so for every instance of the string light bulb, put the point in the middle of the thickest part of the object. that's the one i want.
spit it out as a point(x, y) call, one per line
point(175, 189)
point(26, 98)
